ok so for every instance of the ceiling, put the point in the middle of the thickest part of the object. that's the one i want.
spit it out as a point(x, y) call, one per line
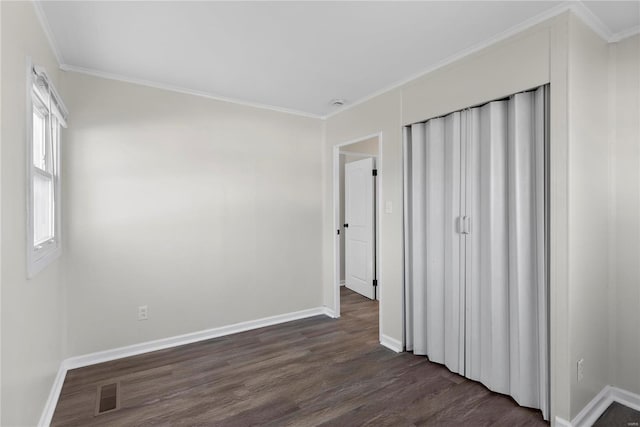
point(295, 56)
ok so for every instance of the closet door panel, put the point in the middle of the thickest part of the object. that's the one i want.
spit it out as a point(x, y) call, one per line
point(435, 245)
point(488, 247)
point(419, 237)
point(453, 297)
point(523, 283)
point(541, 139)
point(408, 240)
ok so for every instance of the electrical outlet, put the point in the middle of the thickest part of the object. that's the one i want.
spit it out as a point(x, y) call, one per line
point(580, 370)
point(143, 313)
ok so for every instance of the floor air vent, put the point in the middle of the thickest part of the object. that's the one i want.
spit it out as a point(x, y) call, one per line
point(108, 398)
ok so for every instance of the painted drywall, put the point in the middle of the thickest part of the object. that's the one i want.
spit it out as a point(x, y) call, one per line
point(624, 73)
point(589, 211)
point(207, 212)
point(531, 58)
point(32, 311)
point(368, 146)
point(381, 113)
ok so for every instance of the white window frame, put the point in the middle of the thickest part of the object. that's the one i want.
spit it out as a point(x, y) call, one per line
point(42, 254)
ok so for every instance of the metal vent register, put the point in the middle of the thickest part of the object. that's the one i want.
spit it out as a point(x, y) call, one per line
point(108, 398)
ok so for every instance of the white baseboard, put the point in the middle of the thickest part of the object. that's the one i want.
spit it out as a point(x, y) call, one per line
point(161, 344)
point(54, 394)
point(391, 343)
point(596, 407)
point(330, 312)
point(561, 422)
point(626, 398)
point(590, 413)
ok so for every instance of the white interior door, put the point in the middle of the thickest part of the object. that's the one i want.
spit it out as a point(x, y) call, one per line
point(359, 226)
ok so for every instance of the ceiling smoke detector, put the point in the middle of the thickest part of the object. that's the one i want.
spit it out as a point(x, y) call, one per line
point(337, 102)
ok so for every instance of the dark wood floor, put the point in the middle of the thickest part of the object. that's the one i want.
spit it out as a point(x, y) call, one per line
point(618, 415)
point(303, 373)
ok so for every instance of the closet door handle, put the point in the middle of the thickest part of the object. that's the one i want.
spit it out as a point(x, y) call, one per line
point(464, 225)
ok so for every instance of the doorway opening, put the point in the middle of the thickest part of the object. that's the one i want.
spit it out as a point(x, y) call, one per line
point(357, 201)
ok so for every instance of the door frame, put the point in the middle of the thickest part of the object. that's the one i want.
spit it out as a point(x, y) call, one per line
point(337, 226)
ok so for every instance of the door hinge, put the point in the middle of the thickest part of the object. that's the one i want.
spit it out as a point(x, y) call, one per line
point(375, 283)
point(374, 172)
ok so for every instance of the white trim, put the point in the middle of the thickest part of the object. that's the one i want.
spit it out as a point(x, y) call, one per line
point(596, 407)
point(391, 343)
point(185, 91)
point(561, 422)
point(592, 21)
point(39, 259)
point(336, 218)
point(626, 398)
point(178, 340)
point(576, 7)
point(357, 153)
point(553, 12)
point(329, 313)
point(44, 23)
point(54, 395)
point(624, 34)
point(161, 344)
point(590, 413)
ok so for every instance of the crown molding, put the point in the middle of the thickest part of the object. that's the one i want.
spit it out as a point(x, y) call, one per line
point(44, 23)
point(576, 7)
point(630, 32)
point(525, 25)
point(591, 20)
point(185, 91)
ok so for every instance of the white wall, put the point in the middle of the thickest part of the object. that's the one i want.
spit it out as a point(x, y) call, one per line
point(625, 137)
point(214, 213)
point(32, 311)
point(368, 146)
point(589, 188)
point(208, 212)
point(595, 189)
point(523, 61)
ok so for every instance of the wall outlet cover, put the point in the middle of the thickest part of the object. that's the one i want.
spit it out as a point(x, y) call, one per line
point(143, 312)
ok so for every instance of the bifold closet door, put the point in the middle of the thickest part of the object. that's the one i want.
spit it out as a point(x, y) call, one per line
point(506, 335)
point(433, 280)
point(475, 236)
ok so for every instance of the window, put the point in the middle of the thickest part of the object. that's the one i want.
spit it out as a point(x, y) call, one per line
point(46, 114)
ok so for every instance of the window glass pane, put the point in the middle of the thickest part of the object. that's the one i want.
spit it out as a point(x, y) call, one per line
point(39, 136)
point(42, 208)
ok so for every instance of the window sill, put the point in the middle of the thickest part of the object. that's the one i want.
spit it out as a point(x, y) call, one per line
point(35, 266)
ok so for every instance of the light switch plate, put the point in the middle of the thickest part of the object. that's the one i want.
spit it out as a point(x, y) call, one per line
point(388, 207)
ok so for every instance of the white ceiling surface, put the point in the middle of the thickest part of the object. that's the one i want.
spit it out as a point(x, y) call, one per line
point(291, 55)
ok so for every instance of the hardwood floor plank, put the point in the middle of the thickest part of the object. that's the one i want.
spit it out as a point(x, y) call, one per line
point(316, 371)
